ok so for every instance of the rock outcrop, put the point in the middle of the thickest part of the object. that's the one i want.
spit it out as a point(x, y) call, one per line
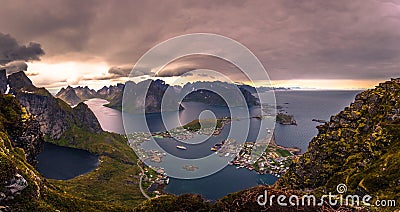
point(3, 81)
point(13, 187)
point(360, 147)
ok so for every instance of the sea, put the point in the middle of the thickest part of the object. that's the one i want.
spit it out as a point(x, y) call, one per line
point(304, 105)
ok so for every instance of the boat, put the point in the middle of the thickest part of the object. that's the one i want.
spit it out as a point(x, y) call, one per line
point(216, 147)
point(181, 147)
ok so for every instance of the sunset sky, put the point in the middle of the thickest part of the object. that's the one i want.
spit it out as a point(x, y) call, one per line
point(313, 44)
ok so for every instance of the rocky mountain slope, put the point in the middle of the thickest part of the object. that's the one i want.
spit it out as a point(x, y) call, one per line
point(219, 93)
point(69, 96)
point(54, 115)
point(111, 187)
point(3, 81)
point(359, 147)
point(20, 142)
point(22, 188)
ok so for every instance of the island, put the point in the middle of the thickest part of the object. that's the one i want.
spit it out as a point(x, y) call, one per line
point(320, 121)
point(285, 119)
point(200, 127)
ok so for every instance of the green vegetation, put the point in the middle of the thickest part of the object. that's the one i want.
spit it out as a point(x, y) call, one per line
point(195, 125)
point(185, 202)
point(285, 119)
point(245, 200)
point(39, 195)
point(116, 179)
point(283, 153)
point(112, 186)
point(360, 147)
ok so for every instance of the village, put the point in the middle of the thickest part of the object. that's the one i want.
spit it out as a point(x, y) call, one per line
point(274, 159)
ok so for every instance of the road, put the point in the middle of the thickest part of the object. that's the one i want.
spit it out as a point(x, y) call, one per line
point(140, 182)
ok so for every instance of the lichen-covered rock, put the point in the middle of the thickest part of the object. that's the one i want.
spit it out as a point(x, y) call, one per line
point(13, 188)
point(360, 146)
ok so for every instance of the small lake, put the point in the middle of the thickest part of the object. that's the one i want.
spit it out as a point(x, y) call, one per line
point(63, 163)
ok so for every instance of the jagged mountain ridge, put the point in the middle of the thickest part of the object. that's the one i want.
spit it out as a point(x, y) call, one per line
point(156, 90)
point(73, 96)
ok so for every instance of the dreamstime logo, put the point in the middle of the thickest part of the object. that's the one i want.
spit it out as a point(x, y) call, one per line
point(331, 199)
point(341, 188)
point(142, 98)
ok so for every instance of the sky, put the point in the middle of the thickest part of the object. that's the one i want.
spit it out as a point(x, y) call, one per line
point(312, 44)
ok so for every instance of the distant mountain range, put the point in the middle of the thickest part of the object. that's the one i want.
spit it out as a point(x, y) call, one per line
point(198, 91)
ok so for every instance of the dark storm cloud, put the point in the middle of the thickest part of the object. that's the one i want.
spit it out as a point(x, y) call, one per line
point(186, 64)
point(120, 71)
point(10, 50)
point(293, 38)
point(15, 66)
point(117, 72)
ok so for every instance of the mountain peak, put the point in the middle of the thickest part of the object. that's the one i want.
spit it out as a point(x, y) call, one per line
point(20, 81)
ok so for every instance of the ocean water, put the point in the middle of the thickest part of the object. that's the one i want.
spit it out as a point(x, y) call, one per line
point(304, 105)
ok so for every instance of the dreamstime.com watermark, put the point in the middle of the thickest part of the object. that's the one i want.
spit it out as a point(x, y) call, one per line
point(331, 199)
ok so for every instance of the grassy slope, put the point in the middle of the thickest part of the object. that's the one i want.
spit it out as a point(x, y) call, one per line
point(363, 152)
point(40, 195)
point(195, 124)
point(116, 179)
